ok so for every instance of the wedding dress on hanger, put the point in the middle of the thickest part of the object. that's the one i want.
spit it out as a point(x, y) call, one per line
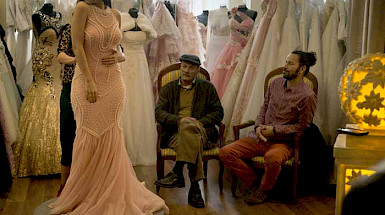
point(166, 48)
point(315, 45)
point(331, 56)
point(139, 125)
point(188, 26)
point(10, 103)
point(267, 62)
point(218, 33)
point(229, 56)
point(290, 40)
point(23, 21)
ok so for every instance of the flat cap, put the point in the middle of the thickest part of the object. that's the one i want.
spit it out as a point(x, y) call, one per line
point(191, 59)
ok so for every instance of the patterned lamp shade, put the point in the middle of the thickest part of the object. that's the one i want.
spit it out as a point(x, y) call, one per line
point(362, 92)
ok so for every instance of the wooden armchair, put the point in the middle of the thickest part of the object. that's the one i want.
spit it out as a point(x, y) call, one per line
point(258, 161)
point(165, 76)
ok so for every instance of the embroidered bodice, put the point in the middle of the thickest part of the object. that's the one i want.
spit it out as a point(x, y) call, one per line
point(218, 23)
point(45, 50)
point(164, 23)
point(49, 22)
point(240, 31)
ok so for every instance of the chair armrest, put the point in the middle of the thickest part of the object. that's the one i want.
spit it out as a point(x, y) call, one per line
point(296, 140)
point(221, 135)
point(159, 131)
point(237, 128)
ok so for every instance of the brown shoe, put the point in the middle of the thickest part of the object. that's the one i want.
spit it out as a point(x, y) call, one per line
point(256, 197)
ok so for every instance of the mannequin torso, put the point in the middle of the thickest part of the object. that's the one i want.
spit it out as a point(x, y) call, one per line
point(134, 14)
point(203, 18)
point(46, 18)
point(170, 7)
point(251, 13)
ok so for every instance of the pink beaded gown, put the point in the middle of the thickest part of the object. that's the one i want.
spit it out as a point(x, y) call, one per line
point(102, 179)
point(228, 58)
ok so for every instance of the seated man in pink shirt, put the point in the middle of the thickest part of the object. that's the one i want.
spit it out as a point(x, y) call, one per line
point(288, 108)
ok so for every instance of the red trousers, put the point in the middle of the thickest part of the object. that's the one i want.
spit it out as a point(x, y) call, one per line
point(275, 154)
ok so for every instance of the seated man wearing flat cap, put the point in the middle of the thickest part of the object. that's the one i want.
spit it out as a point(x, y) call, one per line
point(188, 110)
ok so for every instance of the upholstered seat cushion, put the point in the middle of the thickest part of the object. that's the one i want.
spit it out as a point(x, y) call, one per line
point(171, 152)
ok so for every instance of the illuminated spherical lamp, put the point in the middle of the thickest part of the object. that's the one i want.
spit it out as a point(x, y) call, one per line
point(362, 93)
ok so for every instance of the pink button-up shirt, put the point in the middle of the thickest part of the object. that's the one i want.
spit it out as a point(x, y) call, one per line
point(289, 110)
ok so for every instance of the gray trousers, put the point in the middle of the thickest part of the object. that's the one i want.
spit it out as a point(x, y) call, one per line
point(188, 144)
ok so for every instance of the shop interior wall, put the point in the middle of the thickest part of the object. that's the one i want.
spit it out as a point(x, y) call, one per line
point(3, 12)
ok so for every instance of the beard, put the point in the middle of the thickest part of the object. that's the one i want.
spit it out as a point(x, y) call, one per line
point(290, 76)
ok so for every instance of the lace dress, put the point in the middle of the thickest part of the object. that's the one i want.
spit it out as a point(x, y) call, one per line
point(188, 26)
point(228, 59)
point(218, 34)
point(37, 150)
point(23, 24)
point(102, 179)
point(139, 125)
point(10, 103)
point(167, 47)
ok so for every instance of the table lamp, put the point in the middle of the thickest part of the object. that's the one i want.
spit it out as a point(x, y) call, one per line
point(362, 93)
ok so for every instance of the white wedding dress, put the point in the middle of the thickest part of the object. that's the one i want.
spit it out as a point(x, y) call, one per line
point(10, 103)
point(290, 40)
point(138, 115)
point(218, 33)
point(315, 45)
point(332, 56)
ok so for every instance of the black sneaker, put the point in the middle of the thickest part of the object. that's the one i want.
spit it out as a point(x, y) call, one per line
point(195, 197)
point(171, 180)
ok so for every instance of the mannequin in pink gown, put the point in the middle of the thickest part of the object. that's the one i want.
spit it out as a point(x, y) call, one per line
point(238, 93)
point(102, 179)
point(228, 59)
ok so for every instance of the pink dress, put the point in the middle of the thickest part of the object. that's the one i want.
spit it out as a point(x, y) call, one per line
point(102, 179)
point(228, 59)
point(238, 92)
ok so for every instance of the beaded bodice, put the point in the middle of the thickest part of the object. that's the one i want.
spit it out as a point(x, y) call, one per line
point(102, 37)
point(240, 31)
point(47, 22)
point(45, 50)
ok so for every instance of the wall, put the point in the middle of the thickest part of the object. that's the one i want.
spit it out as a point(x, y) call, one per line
point(3, 12)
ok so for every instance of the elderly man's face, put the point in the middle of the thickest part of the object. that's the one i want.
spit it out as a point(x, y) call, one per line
point(189, 72)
